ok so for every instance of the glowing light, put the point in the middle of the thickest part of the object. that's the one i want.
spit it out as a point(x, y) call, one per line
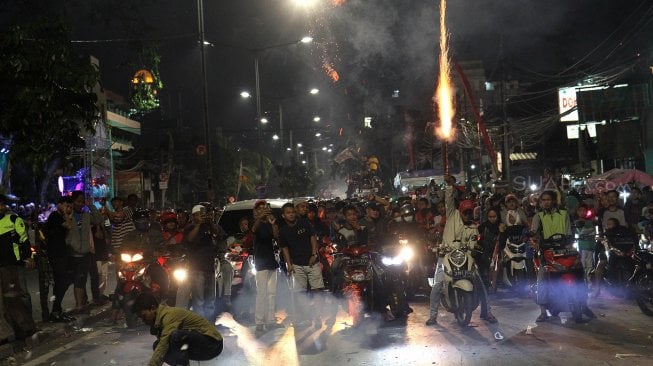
point(324, 148)
point(305, 3)
point(301, 153)
point(316, 119)
point(331, 72)
point(314, 91)
point(245, 94)
point(307, 39)
point(338, 2)
point(472, 167)
point(444, 91)
point(299, 144)
point(329, 150)
point(318, 134)
point(303, 161)
point(275, 137)
point(288, 148)
point(533, 187)
point(264, 120)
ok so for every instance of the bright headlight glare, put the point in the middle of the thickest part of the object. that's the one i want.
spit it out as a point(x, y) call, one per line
point(125, 257)
point(403, 242)
point(407, 253)
point(180, 274)
point(142, 271)
point(392, 261)
point(137, 257)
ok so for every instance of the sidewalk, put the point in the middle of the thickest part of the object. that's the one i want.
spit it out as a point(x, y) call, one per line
point(15, 352)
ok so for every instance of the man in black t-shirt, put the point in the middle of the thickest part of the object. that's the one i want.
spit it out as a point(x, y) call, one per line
point(265, 232)
point(199, 238)
point(299, 245)
point(55, 234)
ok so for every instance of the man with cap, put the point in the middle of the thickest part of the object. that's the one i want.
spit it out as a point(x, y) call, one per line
point(374, 223)
point(460, 230)
point(200, 238)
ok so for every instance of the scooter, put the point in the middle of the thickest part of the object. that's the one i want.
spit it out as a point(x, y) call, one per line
point(514, 260)
point(358, 286)
point(460, 294)
point(565, 277)
point(134, 278)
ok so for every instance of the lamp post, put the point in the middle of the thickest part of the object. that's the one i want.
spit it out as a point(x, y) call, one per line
point(205, 95)
point(257, 52)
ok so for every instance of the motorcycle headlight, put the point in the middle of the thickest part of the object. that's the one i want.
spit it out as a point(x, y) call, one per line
point(407, 253)
point(458, 258)
point(137, 257)
point(180, 274)
point(392, 261)
point(125, 257)
point(403, 242)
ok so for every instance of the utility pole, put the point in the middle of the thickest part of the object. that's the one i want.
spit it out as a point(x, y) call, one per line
point(205, 94)
point(506, 146)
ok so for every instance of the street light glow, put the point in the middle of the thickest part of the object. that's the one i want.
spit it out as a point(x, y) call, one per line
point(314, 91)
point(301, 153)
point(305, 3)
point(245, 94)
point(275, 137)
point(329, 150)
point(473, 166)
point(307, 39)
point(324, 148)
point(318, 134)
point(316, 119)
point(303, 161)
point(299, 144)
point(288, 148)
point(264, 120)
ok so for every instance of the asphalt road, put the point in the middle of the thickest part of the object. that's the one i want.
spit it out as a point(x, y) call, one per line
point(621, 335)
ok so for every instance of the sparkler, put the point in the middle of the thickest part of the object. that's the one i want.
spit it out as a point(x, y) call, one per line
point(444, 92)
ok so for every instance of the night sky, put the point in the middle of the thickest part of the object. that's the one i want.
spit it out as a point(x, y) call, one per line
point(376, 46)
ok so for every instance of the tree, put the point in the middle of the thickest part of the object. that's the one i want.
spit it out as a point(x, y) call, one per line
point(47, 97)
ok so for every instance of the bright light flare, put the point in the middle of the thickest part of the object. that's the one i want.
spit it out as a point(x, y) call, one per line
point(307, 39)
point(316, 119)
point(331, 72)
point(305, 3)
point(314, 91)
point(264, 120)
point(245, 94)
point(444, 92)
point(275, 137)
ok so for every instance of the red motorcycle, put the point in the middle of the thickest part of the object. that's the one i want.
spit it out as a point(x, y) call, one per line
point(326, 254)
point(564, 277)
point(358, 284)
point(135, 276)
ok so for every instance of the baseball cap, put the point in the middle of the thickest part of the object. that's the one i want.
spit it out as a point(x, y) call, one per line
point(466, 205)
point(197, 208)
point(373, 205)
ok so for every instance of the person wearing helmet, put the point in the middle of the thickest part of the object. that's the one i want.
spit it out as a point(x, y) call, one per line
point(512, 214)
point(171, 234)
point(460, 230)
point(373, 222)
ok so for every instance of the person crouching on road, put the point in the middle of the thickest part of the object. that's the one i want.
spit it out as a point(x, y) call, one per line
point(181, 334)
point(460, 230)
point(299, 245)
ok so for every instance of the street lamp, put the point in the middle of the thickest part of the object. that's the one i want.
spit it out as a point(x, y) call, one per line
point(245, 94)
point(316, 119)
point(257, 51)
point(275, 137)
point(314, 91)
point(264, 120)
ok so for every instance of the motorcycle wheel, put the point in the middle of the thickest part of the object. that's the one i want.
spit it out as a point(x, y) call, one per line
point(464, 310)
point(354, 304)
point(131, 318)
point(644, 290)
point(396, 305)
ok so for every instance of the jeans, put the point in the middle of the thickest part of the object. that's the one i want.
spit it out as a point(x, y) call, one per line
point(266, 290)
point(200, 347)
point(203, 293)
point(587, 260)
point(226, 280)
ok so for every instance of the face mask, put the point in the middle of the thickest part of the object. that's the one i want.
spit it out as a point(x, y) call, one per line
point(397, 219)
point(408, 218)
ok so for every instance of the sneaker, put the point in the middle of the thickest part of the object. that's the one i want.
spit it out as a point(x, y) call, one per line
point(489, 318)
point(432, 320)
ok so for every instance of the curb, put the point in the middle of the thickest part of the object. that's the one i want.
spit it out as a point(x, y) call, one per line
point(11, 353)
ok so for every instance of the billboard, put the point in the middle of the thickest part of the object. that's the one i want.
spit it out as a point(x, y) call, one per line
point(567, 102)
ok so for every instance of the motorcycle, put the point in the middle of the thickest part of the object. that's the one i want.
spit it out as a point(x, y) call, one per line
point(460, 295)
point(358, 286)
point(390, 266)
point(134, 279)
point(243, 265)
point(514, 260)
point(641, 281)
point(564, 277)
point(620, 264)
point(175, 265)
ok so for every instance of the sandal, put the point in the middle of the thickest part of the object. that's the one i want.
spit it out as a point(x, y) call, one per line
point(541, 318)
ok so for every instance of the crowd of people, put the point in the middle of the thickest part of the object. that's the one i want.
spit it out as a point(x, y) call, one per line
point(74, 241)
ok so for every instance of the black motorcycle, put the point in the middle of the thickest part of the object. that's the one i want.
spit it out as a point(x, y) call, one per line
point(620, 264)
point(389, 267)
point(641, 281)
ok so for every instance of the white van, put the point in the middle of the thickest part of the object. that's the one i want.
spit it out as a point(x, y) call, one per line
point(233, 212)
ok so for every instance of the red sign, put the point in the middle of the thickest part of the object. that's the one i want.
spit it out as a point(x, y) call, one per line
point(200, 150)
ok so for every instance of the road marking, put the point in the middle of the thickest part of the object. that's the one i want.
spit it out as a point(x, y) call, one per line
point(41, 359)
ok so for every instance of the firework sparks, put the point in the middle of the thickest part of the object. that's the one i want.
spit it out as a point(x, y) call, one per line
point(444, 92)
point(331, 72)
